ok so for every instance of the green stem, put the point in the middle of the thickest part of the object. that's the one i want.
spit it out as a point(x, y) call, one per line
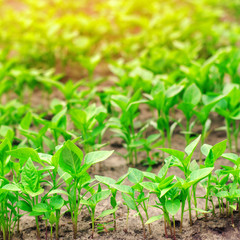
point(143, 226)
point(208, 189)
point(195, 198)
point(189, 208)
point(182, 212)
point(174, 231)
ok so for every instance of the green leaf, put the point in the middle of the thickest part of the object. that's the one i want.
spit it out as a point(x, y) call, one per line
point(56, 202)
point(26, 121)
point(153, 219)
point(200, 210)
point(153, 187)
point(11, 187)
point(24, 154)
point(70, 158)
point(191, 147)
point(129, 201)
point(97, 156)
point(135, 176)
point(23, 205)
point(29, 176)
point(52, 218)
point(192, 95)
point(105, 180)
point(175, 153)
point(99, 196)
point(215, 152)
point(41, 207)
point(58, 191)
point(123, 188)
point(107, 212)
point(173, 206)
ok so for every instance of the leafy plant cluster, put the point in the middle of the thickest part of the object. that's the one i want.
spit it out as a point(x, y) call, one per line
point(42, 185)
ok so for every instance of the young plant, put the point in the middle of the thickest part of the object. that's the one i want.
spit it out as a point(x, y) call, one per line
point(192, 175)
point(191, 98)
point(91, 203)
point(229, 109)
point(124, 125)
point(212, 154)
point(110, 182)
point(163, 100)
point(91, 123)
point(72, 162)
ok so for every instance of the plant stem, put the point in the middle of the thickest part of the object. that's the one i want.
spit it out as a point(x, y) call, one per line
point(143, 226)
point(38, 230)
point(189, 208)
point(207, 194)
point(114, 221)
point(182, 212)
point(174, 231)
point(195, 198)
point(165, 228)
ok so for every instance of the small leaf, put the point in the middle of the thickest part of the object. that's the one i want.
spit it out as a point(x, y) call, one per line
point(153, 219)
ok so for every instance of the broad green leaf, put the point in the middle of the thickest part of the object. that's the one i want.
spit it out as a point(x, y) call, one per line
point(52, 218)
point(41, 207)
point(123, 188)
point(29, 176)
point(97, 156)
point(23, 205)
point(129, 201)
point(56, 202)
point(192, 95)
point(173, 206)
point(70, 158)
point(105, 180)
point(153, 187)
point(11, 187)
point(216, 151)
point(175, 153)
point(26, 121)
point(99, 196)
point(24, 154)
point(135, 176)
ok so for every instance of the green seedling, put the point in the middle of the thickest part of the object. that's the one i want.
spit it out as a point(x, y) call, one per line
point(89, 63)
point(191, 99)
point(147, 145)
point(109, 182)
point(91, 203)
point(192, 175)
point(91, 123)
point(75, 167)
point(163, 100)
point(229, 109)
point(209, 101)
point(212, 154)
point(124, 125)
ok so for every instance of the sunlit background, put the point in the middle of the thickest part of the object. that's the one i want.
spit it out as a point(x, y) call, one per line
point(164, 37)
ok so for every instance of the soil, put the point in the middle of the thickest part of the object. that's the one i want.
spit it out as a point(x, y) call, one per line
point(216, 227)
